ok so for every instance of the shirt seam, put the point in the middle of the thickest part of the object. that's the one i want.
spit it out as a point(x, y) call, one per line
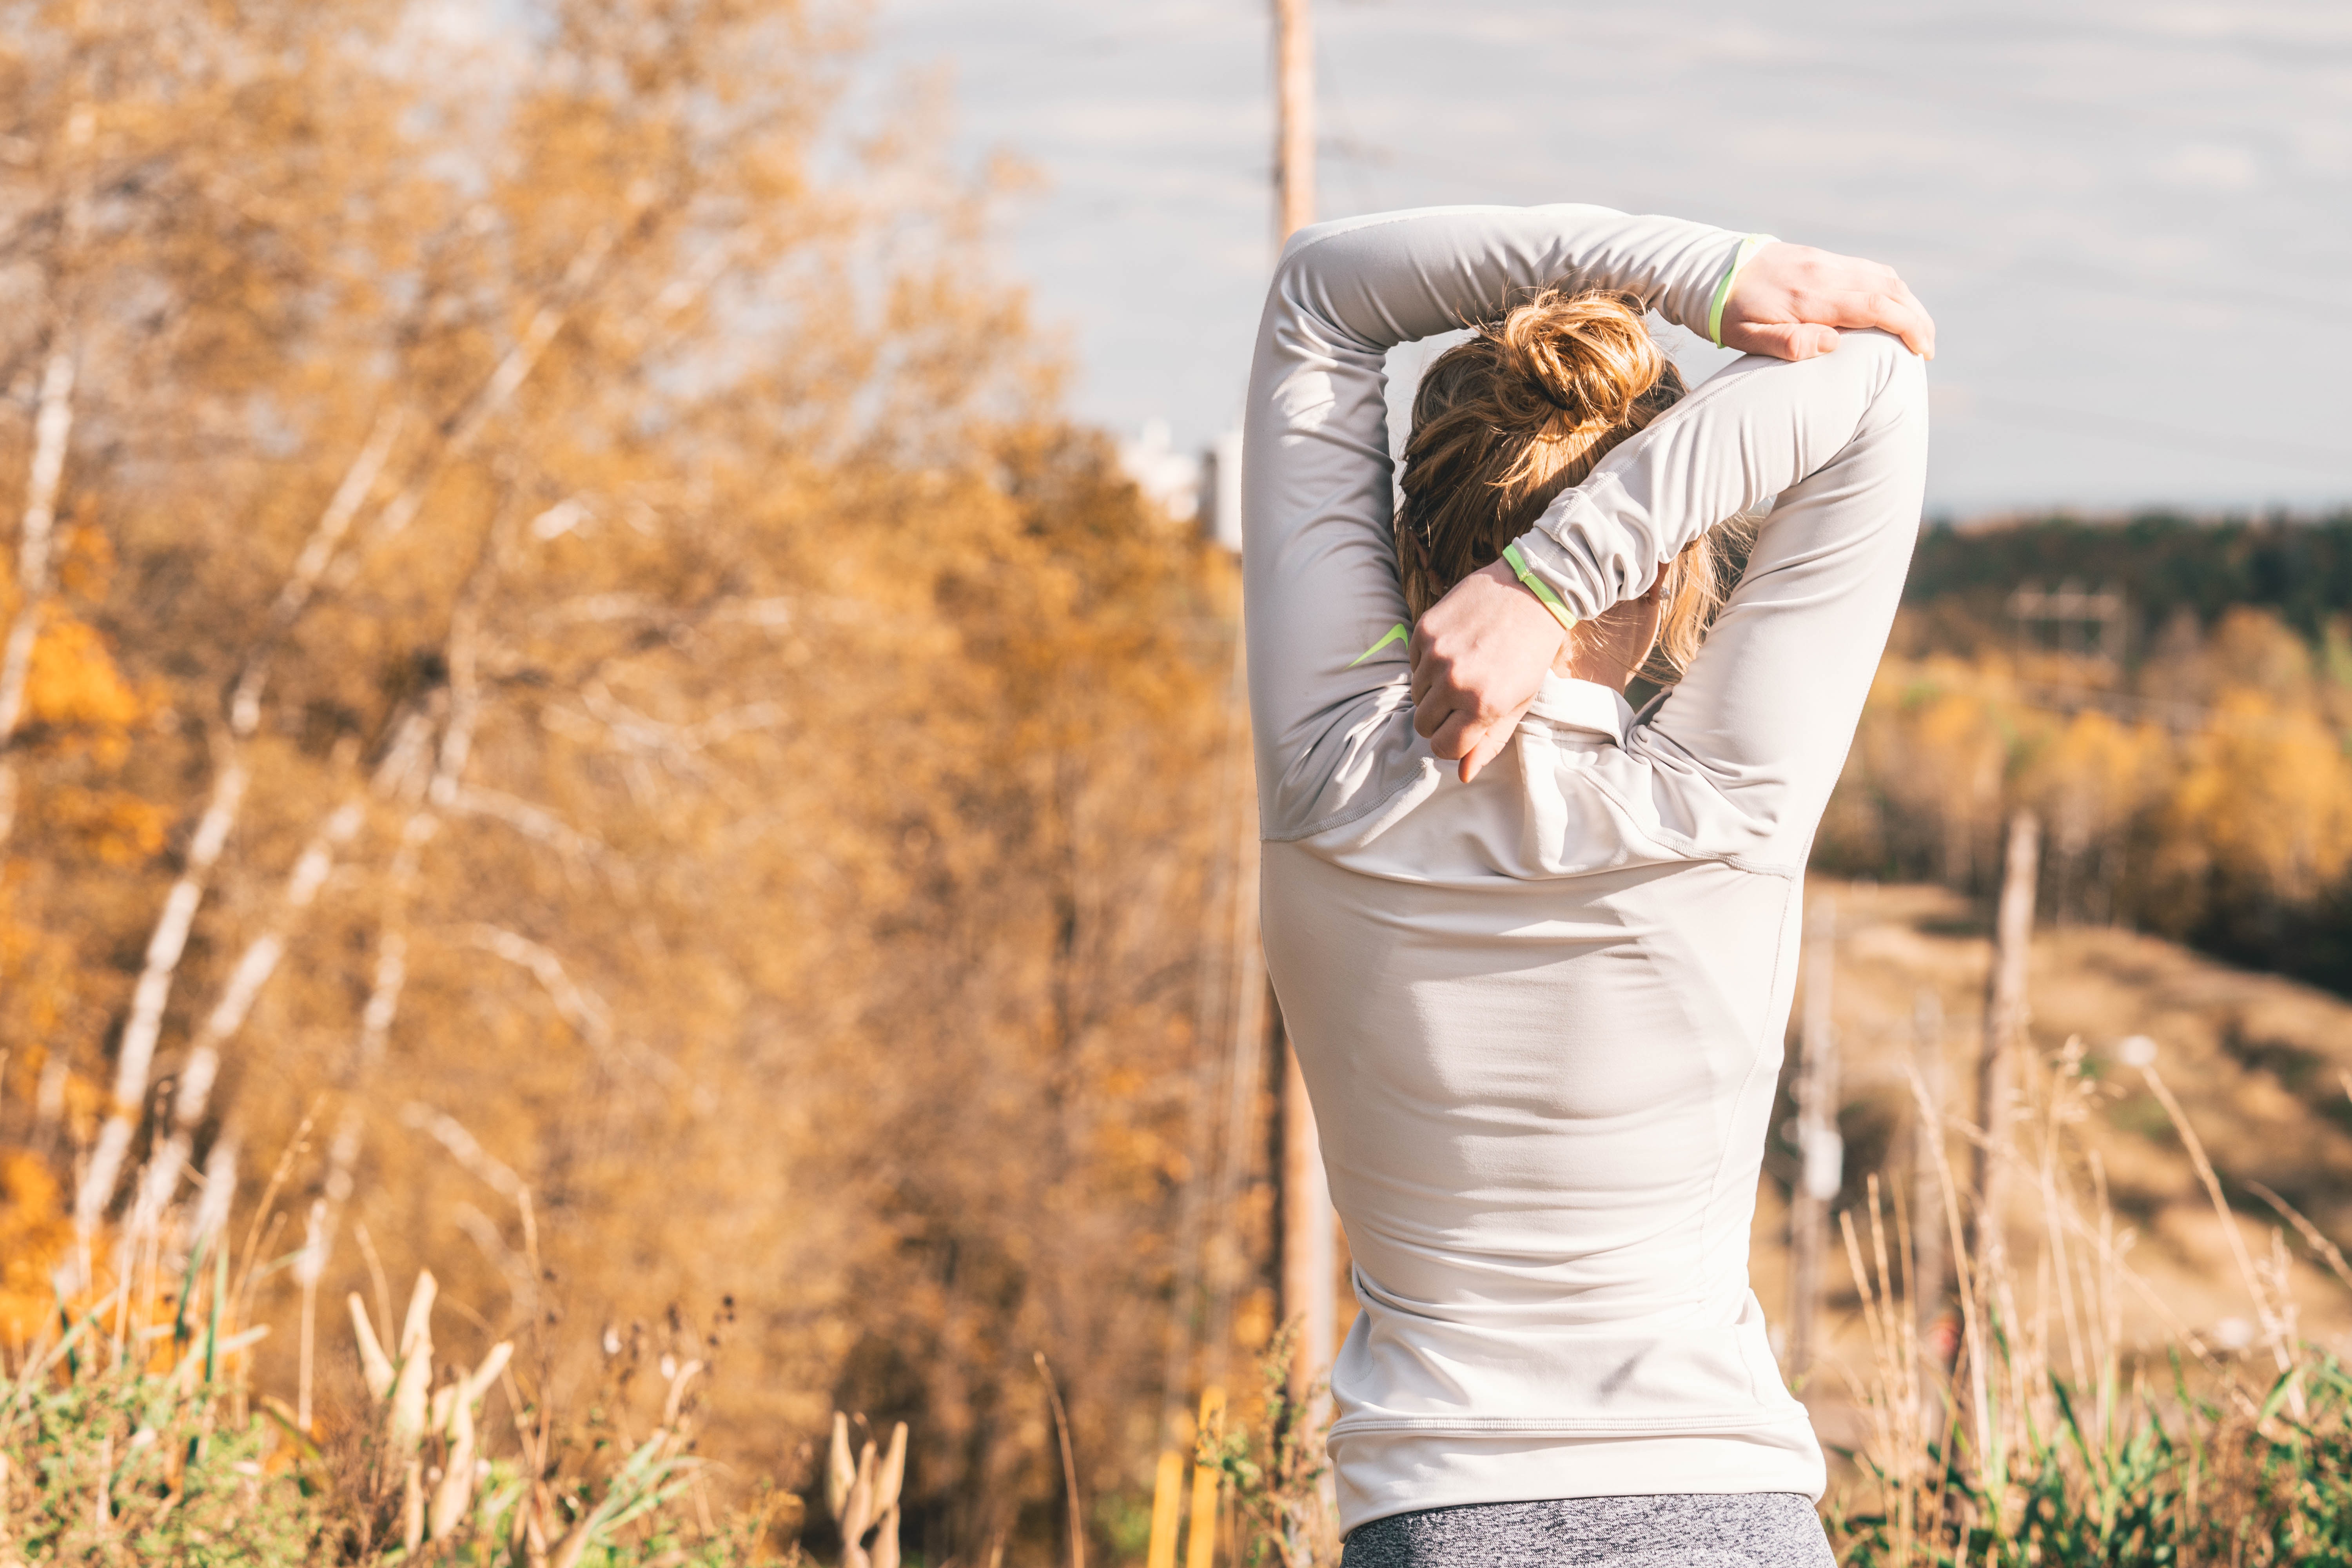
point(1685, 850)
point(1343, 818)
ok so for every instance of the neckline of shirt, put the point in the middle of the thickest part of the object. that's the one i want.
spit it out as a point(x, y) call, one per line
point(1582, 705)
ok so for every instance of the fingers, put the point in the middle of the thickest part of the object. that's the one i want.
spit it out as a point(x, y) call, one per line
point(1782, 340)
point(1901, 313)
point(1887, 303)
point(1489, 746)
point(1457, 737)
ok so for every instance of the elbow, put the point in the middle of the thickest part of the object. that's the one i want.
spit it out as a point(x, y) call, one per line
point(1303, 239)
point(1881, 356)
point(1891, 379)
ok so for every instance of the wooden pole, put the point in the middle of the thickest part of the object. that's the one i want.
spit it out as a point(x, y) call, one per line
point(1201, 1544)
point(1309, 1256)
point(1294, 73)
point(1926, 1169)
point(2004, 1030)
point(1822, 1153)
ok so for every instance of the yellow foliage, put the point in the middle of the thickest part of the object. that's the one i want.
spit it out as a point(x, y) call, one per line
point(2211, 781)
point(2266, 798)
point(74, 683)
point(780, 752)
point(35, 1232)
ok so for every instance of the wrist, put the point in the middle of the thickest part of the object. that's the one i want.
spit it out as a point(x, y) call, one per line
point(1740, 256)
point(1517, 566)
point(1511, 609)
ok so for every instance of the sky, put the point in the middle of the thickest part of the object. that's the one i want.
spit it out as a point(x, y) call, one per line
point(2132, 220)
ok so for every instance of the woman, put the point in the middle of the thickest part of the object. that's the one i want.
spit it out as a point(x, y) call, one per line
point(1538, 1005)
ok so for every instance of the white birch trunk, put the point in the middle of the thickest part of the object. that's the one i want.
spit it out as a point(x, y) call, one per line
point(312, 567)
point(254, 968)
point(377, 1018)
point(165, 948)
point(391, 945)
point(52, 424)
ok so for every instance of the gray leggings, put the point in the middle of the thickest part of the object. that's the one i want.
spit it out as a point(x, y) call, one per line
point(1673, 1530)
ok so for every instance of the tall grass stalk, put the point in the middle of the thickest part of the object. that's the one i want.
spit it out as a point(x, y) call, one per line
point(132, 1433)
point(2053, 1438)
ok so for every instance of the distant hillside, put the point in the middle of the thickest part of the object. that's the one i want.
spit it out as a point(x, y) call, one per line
point(2255, 1060)
point(2258, 1061)
point(2300, 569)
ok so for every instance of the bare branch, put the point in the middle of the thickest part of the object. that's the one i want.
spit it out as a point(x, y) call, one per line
point(467, 1150)
point(533, 822)
point(295, 594)
point(582, 1009)
point(463, 428)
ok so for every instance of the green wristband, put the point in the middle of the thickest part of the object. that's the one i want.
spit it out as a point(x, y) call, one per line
point(1538, 587)
point(1740, 259)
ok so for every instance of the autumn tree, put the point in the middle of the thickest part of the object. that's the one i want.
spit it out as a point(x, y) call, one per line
point(558, 640)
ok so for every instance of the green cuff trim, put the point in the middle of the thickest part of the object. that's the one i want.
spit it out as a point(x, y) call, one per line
point(1538, 587)
point(1396, 632)
point(1747, 249)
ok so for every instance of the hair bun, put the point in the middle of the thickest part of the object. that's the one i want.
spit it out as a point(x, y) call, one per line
point(1587, 357)
point(1503, 423)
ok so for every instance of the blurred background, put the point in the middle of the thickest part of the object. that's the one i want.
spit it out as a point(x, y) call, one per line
point(620, 679)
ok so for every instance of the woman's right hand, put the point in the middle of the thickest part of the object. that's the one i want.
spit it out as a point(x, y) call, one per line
point(1790, 301)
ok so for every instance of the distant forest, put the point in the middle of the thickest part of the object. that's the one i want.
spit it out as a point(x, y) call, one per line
point(2173, 698)
point(2299, 568)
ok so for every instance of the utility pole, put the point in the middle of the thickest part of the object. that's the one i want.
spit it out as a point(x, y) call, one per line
point(1294, 136)
point(2004, 1032)
point(1821, 1152)
point(1308, 1228)
point(1309, 1255)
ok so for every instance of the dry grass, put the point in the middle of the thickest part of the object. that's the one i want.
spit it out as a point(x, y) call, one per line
point(2150, 1374)
point(132, 1434)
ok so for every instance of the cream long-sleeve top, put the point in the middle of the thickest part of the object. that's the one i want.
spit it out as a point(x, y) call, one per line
point(1540, 1015)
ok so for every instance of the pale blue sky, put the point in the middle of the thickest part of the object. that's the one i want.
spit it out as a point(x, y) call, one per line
point(2132, 221)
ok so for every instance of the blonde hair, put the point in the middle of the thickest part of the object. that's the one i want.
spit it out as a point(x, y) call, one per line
point(1504, 421)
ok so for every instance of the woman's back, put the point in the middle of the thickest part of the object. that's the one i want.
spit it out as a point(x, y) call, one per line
point(1539, 1015)
point(1543, 1049)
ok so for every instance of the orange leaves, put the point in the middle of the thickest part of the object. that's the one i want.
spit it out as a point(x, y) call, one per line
point(2213, 777)
point(75, 684)
point(2265, 797)
point(80, 708)
point(112, 826)
point(33, 1235)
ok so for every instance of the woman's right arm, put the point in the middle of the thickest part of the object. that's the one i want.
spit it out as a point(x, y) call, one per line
point(1328, 686)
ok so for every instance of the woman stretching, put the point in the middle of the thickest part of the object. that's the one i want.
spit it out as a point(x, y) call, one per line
point(1538, 998)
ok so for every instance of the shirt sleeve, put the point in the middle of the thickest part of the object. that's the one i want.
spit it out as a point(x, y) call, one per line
point(1746, 749)
point(1329, 698)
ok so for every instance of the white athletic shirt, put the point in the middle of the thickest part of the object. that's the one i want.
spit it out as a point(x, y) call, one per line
point(1541, 1016)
